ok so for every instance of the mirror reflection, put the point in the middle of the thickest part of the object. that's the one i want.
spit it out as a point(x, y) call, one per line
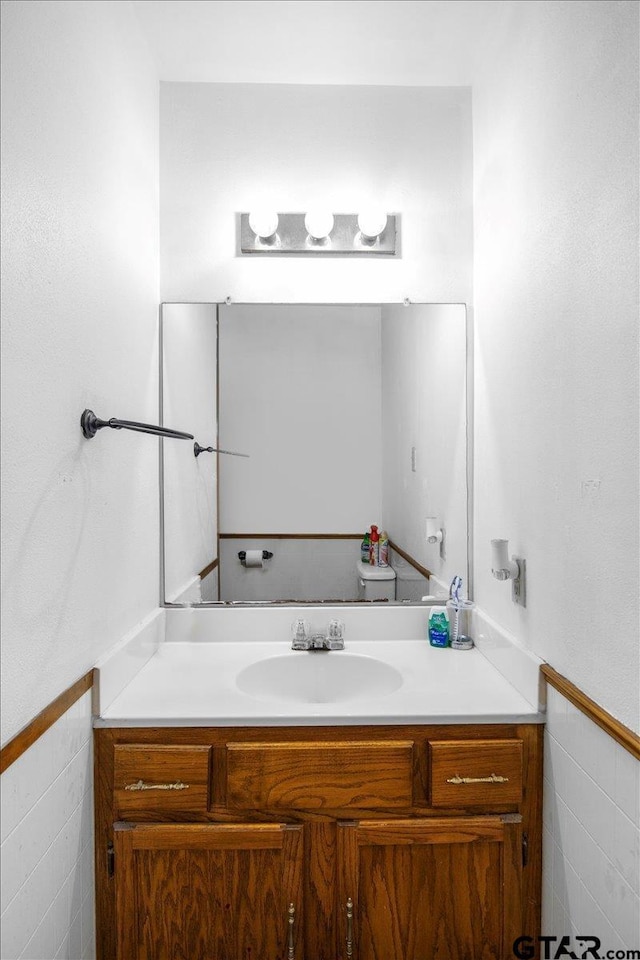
point(353, 417)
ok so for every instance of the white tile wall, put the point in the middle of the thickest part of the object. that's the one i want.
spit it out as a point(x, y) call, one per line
point(46, 871)
point(591, 831)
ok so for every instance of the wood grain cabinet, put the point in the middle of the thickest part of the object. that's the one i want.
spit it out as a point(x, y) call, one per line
point(415, 889)
point(199, 891)
point(343, 843)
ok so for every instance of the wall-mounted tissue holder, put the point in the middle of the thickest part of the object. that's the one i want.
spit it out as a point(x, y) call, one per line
point(254, 558)
point(505, 569)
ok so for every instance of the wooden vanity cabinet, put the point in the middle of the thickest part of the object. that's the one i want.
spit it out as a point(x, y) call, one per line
point(317, 843)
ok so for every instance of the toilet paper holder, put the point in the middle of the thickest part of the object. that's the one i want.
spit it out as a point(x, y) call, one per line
point(242, 556)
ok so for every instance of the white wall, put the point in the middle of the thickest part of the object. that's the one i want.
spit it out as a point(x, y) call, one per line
point(80, 295)
point(314, 41)
point(556, 406)
point(226, 148)
point(47, 898)
point(556, 309)
point(300, 392)
point(189, 398)
point(424, 406)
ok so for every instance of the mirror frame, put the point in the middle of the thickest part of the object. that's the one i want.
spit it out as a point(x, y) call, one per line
point(469, 450)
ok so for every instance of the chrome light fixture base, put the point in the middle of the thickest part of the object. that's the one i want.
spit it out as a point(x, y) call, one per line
point(345, 238)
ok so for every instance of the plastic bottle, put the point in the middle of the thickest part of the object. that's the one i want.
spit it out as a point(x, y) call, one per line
point(374, 546)
point(439, 627)
point(383, 555)
point(364, 548)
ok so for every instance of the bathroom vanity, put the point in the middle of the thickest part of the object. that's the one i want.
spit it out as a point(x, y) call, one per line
point(254, 802)
point(333, 830)
point(385, 843)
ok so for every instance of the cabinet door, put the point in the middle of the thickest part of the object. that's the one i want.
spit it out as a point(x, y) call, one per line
point(437, 889)
point(208, 892)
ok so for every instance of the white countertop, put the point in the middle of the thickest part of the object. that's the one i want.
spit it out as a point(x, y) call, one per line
point(194, 684)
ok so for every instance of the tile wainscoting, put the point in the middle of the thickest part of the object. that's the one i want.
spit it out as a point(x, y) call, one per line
point(47, 898)
point(591, 833)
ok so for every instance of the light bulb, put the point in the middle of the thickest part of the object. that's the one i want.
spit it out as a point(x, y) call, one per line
point(371, 223)
point(264, 223)
point(318, 224)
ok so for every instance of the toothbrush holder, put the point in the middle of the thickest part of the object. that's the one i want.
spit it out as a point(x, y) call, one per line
point(459, 617)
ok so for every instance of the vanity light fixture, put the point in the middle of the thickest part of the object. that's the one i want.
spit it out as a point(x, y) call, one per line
point(319, 224)
point(435, 533)
point(513, 569)
point(372, 233)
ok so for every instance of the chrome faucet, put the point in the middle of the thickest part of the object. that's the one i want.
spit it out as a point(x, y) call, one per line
point(333, 639)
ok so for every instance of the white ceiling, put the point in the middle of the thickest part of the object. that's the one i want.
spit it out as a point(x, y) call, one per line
point(387, 42)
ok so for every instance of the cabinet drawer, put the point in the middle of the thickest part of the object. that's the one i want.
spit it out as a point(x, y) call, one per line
point(475, 772)
point(160, 780)
point(312, 776)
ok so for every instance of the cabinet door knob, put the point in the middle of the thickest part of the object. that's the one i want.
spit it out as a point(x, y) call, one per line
point(349, 927)
point(291, 921)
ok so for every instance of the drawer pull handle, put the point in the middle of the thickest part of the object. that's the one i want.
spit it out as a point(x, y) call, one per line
point(291, 953)
point(494, 778)
point(141, 785)
point(349, 927)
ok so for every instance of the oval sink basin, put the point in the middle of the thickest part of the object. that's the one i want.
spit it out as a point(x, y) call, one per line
point(319, 678)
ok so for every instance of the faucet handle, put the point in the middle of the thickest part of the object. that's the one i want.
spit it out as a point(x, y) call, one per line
point(335, 635)
point(300, 628)
point(300, 631)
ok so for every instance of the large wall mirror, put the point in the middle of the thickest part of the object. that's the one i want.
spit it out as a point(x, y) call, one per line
point(351, 415)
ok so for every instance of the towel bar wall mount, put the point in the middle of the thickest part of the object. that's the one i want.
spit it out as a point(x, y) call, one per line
point(197, 450)
point(90, 425)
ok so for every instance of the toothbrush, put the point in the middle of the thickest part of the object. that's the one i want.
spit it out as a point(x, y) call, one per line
point(455, 588)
